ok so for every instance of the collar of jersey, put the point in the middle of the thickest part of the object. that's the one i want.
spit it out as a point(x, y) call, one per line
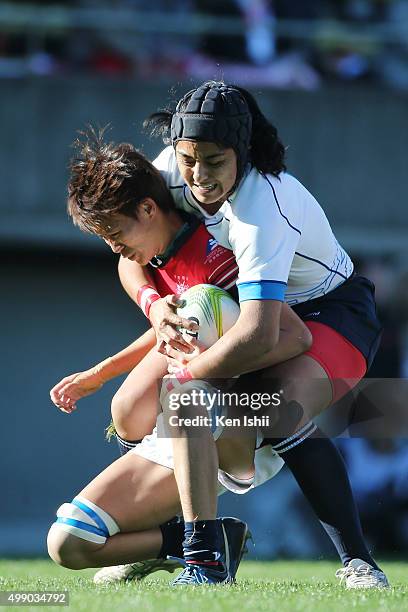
point(194, 203)
point(185, 232)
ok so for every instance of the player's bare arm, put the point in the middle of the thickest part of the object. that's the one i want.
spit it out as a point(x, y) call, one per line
point(294, 339)
point(71, 388)
point(132, 276)
point(245, 346)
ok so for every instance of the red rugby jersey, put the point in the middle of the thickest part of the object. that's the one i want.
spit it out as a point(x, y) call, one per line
point(200, 259)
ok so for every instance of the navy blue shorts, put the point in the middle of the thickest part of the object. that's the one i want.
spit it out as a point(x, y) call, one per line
point(350, 310)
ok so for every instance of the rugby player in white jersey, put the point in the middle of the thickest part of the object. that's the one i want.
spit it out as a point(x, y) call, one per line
point(226, 163)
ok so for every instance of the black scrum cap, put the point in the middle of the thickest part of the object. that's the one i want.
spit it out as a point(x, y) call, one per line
point(215, 112)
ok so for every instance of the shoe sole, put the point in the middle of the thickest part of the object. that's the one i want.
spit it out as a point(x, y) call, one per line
point(247, 535)
point(244, 550)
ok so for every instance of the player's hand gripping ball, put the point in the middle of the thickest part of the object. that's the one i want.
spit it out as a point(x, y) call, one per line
point(212, 308)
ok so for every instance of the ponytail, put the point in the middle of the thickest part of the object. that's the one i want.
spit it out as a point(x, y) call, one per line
point(267, 150)
point(158, 125)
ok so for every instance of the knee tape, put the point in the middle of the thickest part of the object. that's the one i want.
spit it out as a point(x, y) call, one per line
point(86, 520)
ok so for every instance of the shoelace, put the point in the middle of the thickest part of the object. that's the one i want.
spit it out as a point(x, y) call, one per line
point(191, 574)
point(136, 568)
point(344, 572)
point(361, 571)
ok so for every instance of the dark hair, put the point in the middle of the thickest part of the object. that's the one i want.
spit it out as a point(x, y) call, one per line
point(267, 151)
point(107, 179)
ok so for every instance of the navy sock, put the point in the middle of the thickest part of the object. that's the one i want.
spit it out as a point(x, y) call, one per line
point(319, 470)
point(125, 445)
point(202, 543)
point(173, 535)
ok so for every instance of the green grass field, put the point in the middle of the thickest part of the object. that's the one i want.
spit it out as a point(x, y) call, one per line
point(282, 586)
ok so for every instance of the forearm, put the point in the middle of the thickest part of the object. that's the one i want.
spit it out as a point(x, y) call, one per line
point(289, 345)
point(233, 354)
point(266, 333)
point(128, 358)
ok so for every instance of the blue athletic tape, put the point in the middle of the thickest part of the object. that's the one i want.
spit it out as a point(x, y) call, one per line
point(93, 515)
point(262, 290)
point(81, 525)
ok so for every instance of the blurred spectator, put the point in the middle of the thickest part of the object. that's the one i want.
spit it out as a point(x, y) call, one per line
point(364, 11)
point(283, 44)
point(249, 59)
point(221, 47)
point(259, 34)
point(108, 61)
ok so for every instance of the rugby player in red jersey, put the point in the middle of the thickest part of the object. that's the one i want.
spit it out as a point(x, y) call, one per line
point(122, 516)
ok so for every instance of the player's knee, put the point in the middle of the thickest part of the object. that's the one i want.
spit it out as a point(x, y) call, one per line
point(81, 528)
point(123, 409)
point(67, 550)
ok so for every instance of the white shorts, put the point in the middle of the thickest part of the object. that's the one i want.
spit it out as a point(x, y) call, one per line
point(159, 450)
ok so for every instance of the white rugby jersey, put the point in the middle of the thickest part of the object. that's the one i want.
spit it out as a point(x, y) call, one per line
point(283, 243)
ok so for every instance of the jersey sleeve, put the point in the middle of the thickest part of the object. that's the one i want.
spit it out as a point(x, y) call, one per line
point(166, 163)
point(163, 163)
point(265, 229)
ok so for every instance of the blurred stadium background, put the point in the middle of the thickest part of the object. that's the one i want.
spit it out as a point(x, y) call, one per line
point(332, 75)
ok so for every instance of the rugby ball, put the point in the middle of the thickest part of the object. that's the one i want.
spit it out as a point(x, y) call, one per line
point(212, 308)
